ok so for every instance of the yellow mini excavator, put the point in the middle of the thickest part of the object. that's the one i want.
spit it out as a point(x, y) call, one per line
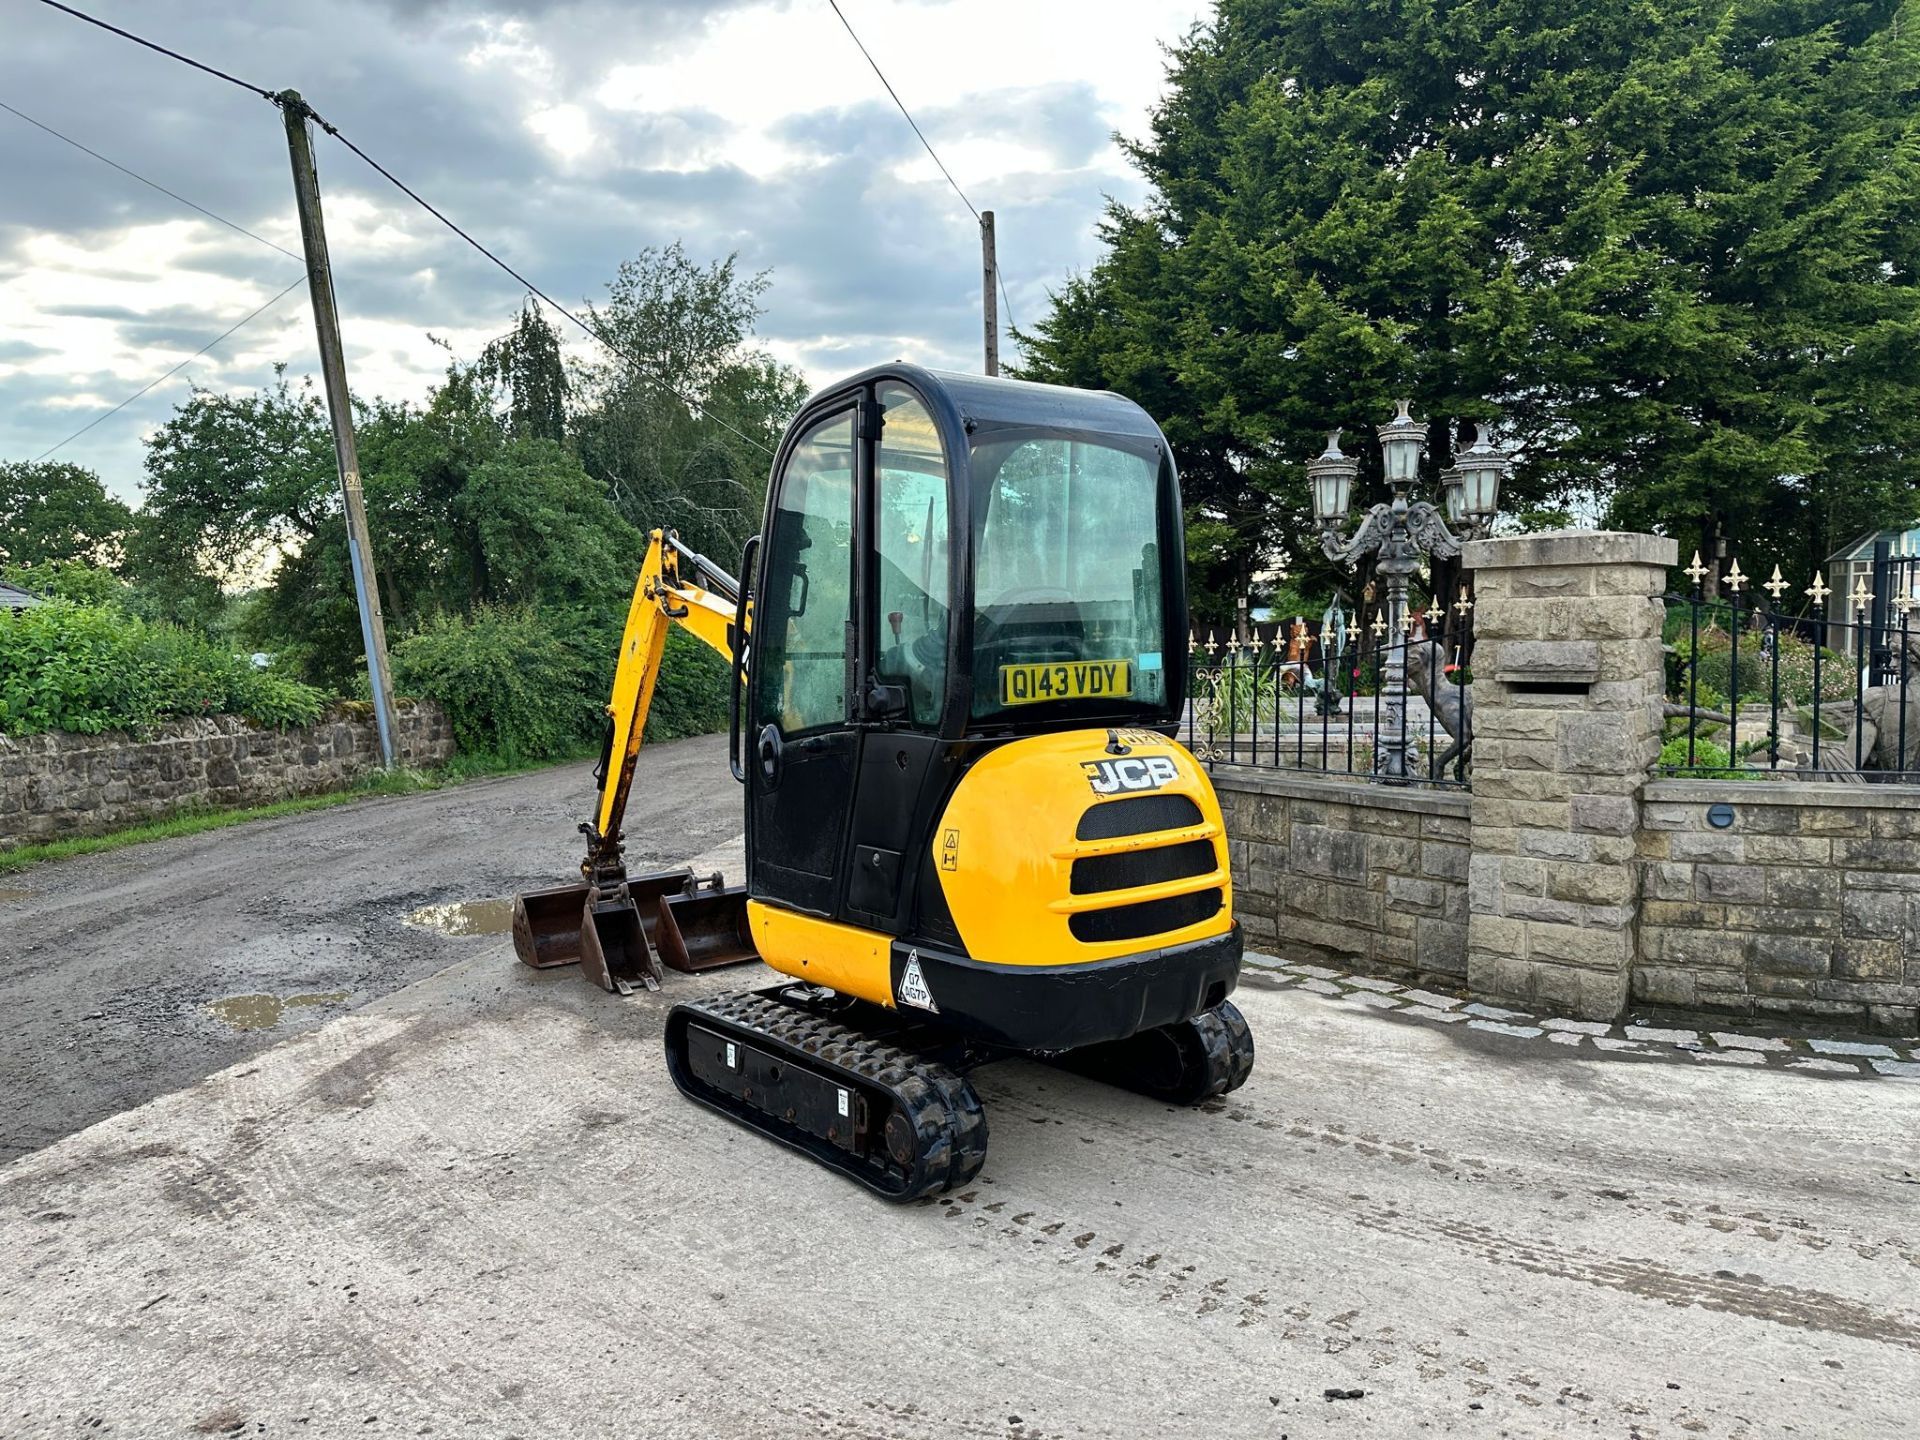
point(958, 663)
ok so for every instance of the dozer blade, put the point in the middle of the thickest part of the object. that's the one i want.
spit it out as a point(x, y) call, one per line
point(704, 928)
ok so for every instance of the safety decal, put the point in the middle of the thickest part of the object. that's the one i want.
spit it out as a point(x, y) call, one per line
point(950, 849)
point(913, 985)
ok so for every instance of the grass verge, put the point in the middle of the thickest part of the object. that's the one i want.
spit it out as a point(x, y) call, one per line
point(196, 820)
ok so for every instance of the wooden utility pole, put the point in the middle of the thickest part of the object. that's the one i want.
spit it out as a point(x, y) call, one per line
point(333, 369)
point(990, 267)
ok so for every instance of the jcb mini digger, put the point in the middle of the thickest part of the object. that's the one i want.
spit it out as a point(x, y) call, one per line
point(958, 660)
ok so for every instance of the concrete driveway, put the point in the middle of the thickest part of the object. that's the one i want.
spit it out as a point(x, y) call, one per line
point(475, 1206)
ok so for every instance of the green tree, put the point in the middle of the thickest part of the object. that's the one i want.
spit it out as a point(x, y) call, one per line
point(51, 511)
point(234, 482)
point(1674, 247)
point(526, 363)
point(674, 411)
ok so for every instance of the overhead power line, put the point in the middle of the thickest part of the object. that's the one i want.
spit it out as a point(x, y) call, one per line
point(418, 199)
point(150, 184)
point(298, 281)
point(532, 288)
point(259, 90)
point(908, 115)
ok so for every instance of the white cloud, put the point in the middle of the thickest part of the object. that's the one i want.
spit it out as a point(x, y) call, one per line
point(565, 128)
point(567, 137)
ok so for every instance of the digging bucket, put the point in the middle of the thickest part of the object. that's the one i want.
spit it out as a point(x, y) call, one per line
point(546, 925)
point(704, 928)
point(550, 926)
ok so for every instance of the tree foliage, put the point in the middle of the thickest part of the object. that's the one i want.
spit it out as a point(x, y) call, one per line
point(52, 511)
point(675, 409)
point(527, 365)
point(89, 668)
point(1674, 247)
point(507, 511)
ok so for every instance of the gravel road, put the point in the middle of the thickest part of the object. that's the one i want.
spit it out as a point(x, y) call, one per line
point(131, 973)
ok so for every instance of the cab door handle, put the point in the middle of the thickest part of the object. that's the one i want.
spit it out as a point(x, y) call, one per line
point(768, 751)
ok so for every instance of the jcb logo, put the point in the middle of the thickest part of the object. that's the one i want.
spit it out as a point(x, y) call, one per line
point(1148, 772)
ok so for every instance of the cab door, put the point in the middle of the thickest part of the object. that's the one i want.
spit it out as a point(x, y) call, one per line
point(801, 743)
point(906, 633)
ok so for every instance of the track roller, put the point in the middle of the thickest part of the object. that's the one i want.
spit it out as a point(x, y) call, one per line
point(1182, 1064)
point(896, 1122)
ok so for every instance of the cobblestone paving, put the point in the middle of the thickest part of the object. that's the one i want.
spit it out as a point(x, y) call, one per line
point(1817, 1055)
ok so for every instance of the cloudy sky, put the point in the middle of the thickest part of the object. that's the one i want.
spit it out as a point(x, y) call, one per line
point(567, 134)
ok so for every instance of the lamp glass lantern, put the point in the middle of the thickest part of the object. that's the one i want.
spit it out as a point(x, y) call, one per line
point(1330, 479)
point(1481, 467)
point(1400, 441)
point(1453, 486)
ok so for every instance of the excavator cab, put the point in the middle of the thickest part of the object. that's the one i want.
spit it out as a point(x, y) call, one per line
point(959, 663)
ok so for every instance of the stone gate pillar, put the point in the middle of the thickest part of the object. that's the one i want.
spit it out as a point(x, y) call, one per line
point(1567, 692)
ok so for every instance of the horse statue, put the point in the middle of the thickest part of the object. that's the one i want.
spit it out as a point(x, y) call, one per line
point(1450, 704)
point(1883, 738)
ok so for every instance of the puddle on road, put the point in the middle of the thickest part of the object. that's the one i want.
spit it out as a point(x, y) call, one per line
point(466, 917)
point(263, 1012)
point(13, 892)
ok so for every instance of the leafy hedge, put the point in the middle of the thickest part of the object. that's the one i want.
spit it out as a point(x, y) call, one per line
point(89, 668)
point(526, 683)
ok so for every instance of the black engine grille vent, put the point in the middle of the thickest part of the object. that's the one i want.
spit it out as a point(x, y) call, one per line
point(1094, 873)
point(1155, 917)
point(1137, 815)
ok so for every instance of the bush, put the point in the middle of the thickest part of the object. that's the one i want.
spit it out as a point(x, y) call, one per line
point(1756, 666)
point(690, 697)
point(513, 683)
point(68, 580)
point(528, 684)
point(1709, 762)
point(89, 668)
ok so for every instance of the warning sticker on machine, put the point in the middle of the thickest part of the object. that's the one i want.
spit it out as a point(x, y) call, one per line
point(913, 985)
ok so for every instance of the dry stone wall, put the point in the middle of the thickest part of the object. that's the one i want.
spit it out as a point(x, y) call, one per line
point(1571, 881)
point(58, 785)
point(1804, 900)
point(1356, 872)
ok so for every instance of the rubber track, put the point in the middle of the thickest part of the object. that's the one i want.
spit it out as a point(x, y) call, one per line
point(1228, 1042)
point(1215, 1050)
point(948, 1120)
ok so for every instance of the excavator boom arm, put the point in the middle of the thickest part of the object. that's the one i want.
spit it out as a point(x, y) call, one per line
point(675, 586)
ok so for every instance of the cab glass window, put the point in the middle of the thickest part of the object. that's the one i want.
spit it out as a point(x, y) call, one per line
point(910, 543)
point(801, 621)
point(1068, 576)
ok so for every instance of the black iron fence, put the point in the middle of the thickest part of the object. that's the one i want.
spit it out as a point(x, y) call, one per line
point(1756, 689)
point(1327, 704)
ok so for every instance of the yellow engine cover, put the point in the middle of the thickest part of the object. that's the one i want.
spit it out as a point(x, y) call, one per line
point(1006, 848)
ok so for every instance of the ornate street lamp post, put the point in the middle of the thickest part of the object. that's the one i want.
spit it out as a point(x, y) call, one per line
point(1398, 533)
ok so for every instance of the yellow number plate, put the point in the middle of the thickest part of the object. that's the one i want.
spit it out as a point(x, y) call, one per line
point(1069, 680)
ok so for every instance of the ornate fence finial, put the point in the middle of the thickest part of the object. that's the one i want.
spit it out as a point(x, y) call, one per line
point(1735, 579)
point(1777, 586)
point(1862, 597)
point(1819, 591)
point(1697, 570)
